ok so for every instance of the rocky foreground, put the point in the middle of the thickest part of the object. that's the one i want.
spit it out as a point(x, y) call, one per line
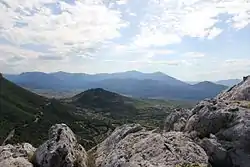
point(216, 132)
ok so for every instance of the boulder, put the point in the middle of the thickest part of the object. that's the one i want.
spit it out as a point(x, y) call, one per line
point(133, 146)
point(16, 155)
point(218, 156)
point(176, 120)
point(16, 162)
point(208, 119)
point(61, 150)
point(232, 128)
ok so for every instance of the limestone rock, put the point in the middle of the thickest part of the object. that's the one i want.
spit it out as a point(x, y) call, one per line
point(176, 120)
point(132, 146)
point(209, 119)
point(16, 155)
point(61, 150)
point(229, 121)
point(218, 156)
point(240, 91)
point(15, 162)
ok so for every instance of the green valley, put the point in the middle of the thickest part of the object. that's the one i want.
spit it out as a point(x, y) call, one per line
point(92, 114)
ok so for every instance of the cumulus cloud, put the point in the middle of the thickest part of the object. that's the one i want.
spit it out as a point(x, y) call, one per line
point(193, 18)
point(152, 62)
point(65, 27)
point(7, 51)
point(73, 31)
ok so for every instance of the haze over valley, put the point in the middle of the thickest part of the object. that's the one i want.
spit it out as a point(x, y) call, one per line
point(132, 83)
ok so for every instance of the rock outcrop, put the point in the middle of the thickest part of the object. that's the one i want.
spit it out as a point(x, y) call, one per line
point(61, 150)
point(16, 155)
point(218, 156)
point(227, 119)
point(132, 146)
point(215, 132)
point(176, 120)
point(240, 91)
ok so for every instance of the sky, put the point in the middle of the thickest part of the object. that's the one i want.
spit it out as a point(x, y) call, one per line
point(191, 40)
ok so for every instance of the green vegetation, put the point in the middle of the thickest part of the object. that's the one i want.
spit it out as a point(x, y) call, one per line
point(144, 103)
point(92, 115)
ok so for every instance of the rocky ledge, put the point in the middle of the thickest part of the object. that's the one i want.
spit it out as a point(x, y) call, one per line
point(61, 150)
point(216, 132)
point(221, 126)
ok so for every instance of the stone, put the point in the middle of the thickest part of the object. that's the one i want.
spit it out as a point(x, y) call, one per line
point(15, 162)
point(133, 146)
point(218, 156)
point(227, 117)
point(61, 150)
point(16, 155)
point(176, 120)
point(240, 91)
point(209, 119)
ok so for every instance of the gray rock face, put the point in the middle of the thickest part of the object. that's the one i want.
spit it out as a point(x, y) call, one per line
point(15, 162)
point(16, 155)
point(132, 146)
point(229, 121)
point(210, 118)
point(218, 156)
point(238, 92)
point(176, 120)
point(61, 150)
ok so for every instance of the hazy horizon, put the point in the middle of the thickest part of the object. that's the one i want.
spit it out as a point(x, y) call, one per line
point(189, 81)
point(192, 40)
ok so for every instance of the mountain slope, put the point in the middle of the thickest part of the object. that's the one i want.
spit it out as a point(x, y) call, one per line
point(36, 80)
point(30, 115)
point(92, 114)
point(206, 85)
point(106, 102)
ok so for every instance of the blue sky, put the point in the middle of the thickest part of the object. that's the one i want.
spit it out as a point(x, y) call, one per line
point(187, 39)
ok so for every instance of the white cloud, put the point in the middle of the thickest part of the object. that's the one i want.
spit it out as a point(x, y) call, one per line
point(122, 2)
point(129, 49)
point(194, 55)
point(193, 18)
point(66, 28)
point(149, 38)
point(82, 33)
point(155, 62)
point(214, 32)
point(7, 51)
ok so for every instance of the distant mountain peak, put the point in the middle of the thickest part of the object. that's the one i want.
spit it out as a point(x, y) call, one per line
point(158, 72)
point(206, 82)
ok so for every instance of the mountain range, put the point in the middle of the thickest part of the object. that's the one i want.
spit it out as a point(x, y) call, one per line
point(131, 83)
point(91, 114)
